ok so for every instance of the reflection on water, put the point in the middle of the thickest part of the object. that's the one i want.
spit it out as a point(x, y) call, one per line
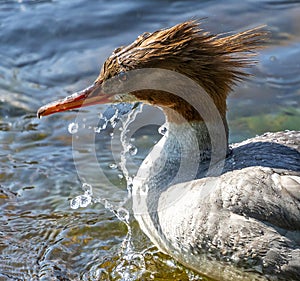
point(51, 48)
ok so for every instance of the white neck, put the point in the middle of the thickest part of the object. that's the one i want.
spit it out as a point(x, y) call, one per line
point(183, 154)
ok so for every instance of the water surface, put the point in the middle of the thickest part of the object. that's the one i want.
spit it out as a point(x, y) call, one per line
point(52, 48)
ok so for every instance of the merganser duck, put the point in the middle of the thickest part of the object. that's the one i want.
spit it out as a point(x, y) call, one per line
point(228, 212)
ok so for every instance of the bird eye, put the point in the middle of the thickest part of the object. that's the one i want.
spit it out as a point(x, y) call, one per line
point(122, 76)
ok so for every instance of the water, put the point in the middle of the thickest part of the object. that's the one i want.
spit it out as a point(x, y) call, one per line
point(52, 48)
point(73, 128)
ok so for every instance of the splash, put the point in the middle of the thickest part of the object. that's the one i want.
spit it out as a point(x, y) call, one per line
point(82, 201)
point(132, 150)
point(131, 263)
point(73, 128)
point(128, 148)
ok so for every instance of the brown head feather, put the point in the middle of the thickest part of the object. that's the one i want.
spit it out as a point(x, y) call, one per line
point(214, 62)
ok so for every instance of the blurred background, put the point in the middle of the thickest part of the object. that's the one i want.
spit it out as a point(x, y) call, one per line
point(49, 49)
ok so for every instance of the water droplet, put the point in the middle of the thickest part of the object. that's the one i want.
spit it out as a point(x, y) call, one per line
point(85, 200)
point(80, 201)
point(162, 130)
point(75, 203)
point(273, 58)
point(108, 205)
point(113, 166)
point(138, 260)
point(129, 185)
point(97, 130)
point(123, 214)
point(171, 263)
point(73, 128)
point(103, 127)
point(88, 189)
point(102, 124)
point(114, 121)
point(132, 150)
point(115, 118)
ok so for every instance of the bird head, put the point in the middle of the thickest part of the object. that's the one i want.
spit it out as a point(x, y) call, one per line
point(215, 63)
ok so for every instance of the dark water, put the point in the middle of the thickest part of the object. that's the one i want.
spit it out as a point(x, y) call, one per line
point(51, 48)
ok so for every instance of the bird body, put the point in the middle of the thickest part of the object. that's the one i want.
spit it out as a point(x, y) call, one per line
point(240, 225)
point(229, 212)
